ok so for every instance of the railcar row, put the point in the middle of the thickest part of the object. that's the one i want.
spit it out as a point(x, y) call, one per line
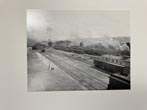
point(85, 50)
point(112, 68)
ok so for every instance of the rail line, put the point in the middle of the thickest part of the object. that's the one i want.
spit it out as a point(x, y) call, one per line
point(84, 71)
point(89, 63)
point(84, 78)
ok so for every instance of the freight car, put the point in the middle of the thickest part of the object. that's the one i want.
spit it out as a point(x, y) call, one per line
point(113, 64)
point(74, 49)
point(110, 67)
point(118, 82)
point(86, 50)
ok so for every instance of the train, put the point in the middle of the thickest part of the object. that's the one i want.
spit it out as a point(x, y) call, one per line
point(118, 82)
point(118, 69)
point(112, 67)
point(86, 50)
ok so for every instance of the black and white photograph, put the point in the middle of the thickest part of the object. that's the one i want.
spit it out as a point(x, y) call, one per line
point(78, 50)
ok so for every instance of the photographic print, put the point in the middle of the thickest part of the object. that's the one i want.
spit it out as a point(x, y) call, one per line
point(70, 50)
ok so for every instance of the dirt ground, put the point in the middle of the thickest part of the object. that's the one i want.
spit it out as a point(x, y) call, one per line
point(43, 75)
point(54, 70)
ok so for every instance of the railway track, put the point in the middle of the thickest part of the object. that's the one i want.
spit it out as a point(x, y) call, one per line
point(95, 70)
point(71, 57)
point(87, 80)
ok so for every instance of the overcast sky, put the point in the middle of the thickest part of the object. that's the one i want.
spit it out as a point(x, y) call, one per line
point(63, 25)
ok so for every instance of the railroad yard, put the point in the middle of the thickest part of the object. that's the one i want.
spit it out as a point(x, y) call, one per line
point(59, 70)
point(77, 50)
